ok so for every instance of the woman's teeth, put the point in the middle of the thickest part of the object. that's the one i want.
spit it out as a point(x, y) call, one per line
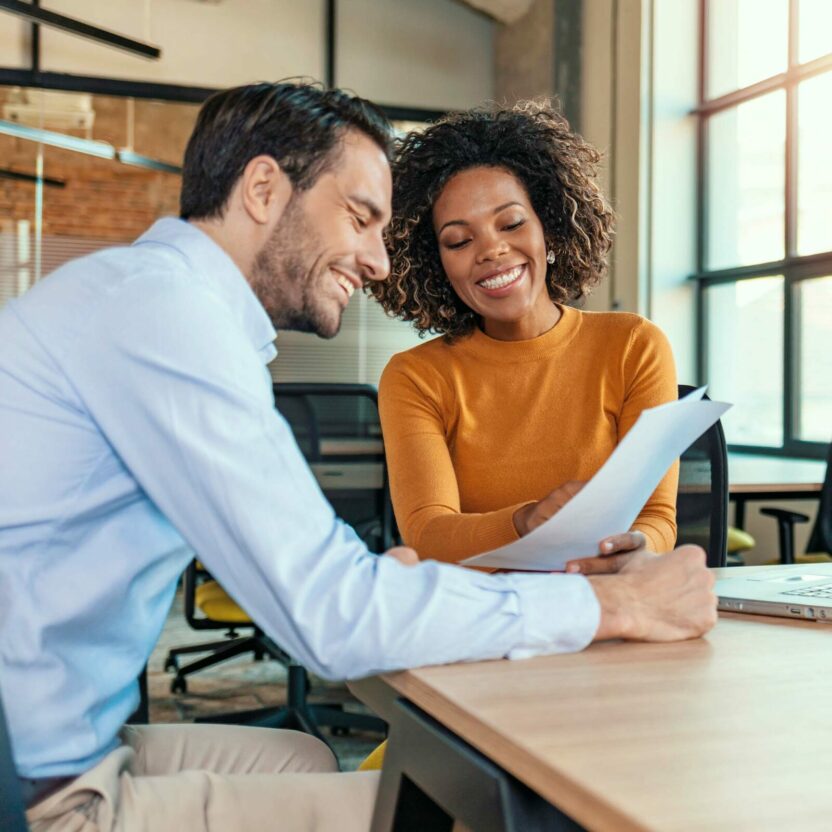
point(501, 280)
point(346, 284)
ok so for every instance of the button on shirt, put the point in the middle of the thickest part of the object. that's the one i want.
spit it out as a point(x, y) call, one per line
point(137, 427)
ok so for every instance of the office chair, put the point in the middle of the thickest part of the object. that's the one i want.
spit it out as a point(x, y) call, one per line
point(819, 547)
point(208, 607)
point(338, 430)
point(702, 498)
point(12, 811)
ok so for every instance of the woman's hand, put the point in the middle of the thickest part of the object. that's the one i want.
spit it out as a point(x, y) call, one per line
point(403, 554)
point(529, 517)
point(616, 552)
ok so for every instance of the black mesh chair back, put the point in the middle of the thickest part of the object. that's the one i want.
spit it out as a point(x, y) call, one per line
point(702, 499)
point(821, 538)
point(12, 812)
point(339, 432)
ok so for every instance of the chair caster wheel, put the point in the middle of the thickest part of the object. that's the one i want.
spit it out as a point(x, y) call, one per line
point(179, 685)
point(171, 665)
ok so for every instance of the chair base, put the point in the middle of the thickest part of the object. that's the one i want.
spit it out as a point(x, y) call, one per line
point(219, 651)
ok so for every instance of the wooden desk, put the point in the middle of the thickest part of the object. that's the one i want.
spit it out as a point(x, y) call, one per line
point(726, 732)
point(754, 477)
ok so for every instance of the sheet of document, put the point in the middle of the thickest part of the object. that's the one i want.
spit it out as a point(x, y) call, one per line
point(610, 502)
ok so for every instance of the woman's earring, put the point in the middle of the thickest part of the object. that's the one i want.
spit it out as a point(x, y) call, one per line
point(550, 257)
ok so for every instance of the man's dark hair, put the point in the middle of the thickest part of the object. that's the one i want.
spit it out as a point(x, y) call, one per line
point(297, 124)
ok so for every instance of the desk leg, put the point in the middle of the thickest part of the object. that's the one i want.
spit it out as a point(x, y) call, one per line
point(739, 513)
point(142, 714)
point(431, 777)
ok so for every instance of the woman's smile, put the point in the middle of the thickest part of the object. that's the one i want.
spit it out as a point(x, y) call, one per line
point(501, 283)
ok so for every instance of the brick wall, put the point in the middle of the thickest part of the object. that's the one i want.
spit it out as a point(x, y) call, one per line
point(101, 200)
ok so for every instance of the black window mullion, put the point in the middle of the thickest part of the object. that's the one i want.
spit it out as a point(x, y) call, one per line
point(702, 330)
point(790, 334)
point(701, 198)
point(701, 145)
point(791, 308)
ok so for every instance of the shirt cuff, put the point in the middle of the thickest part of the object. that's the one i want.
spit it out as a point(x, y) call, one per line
point(560, 614)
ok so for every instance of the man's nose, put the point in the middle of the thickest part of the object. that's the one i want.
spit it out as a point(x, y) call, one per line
point(375, 262)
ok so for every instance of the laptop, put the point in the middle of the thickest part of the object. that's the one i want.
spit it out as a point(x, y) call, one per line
point(788, 591)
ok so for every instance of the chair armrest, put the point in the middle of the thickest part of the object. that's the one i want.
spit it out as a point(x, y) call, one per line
point(785, 515)
point(785, 530)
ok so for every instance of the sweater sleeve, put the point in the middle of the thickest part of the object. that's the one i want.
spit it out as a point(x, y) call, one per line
point(423, 483)
point(650, 379)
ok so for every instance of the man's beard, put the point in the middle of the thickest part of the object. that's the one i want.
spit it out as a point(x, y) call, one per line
point(285, 280)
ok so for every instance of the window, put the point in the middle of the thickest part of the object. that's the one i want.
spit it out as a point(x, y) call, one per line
point(66, 161)
point(765, 231)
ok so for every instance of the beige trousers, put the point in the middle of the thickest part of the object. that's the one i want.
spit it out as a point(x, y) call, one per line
point(212, 778)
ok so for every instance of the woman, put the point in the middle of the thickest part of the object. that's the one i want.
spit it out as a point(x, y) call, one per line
point(497, 223)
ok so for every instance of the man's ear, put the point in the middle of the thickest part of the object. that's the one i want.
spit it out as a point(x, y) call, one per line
point(265, 189)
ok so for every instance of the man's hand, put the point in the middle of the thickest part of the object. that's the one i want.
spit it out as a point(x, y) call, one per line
point(667, 598)
point(616, 552)
point(529, 517)
point(403, 554)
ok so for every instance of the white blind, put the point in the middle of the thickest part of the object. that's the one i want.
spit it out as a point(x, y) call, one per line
point(358, 354)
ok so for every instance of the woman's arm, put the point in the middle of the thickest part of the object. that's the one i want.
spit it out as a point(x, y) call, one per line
point(423, 483)
point(650, 379)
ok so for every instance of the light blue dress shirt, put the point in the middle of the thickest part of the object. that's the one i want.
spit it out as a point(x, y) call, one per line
point(136, 427)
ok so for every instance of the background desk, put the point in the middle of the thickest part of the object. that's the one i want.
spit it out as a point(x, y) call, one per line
point(752, 478)
point(727, 732)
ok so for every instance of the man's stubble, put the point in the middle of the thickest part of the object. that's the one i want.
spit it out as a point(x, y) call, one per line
point(288, 278)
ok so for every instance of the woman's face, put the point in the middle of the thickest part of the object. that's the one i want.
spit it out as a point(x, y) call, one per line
point(492, 247)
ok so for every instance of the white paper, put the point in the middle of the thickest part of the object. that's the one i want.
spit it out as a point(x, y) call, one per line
point(610, 502)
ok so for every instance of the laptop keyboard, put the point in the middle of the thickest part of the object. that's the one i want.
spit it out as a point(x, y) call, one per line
point(812, 592)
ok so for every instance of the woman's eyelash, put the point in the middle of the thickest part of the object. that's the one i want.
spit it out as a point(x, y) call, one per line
point(509, 227)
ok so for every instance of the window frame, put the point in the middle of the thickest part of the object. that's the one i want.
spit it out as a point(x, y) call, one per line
point(794, 268)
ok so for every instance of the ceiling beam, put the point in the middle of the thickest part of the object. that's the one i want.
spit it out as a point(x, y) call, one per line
point(35, 14)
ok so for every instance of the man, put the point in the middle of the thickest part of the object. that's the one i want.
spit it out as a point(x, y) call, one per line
point(137, 427)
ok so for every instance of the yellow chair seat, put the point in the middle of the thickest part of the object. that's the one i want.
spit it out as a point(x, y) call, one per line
point(375, 759)
point(217, 604)
point(739, 541)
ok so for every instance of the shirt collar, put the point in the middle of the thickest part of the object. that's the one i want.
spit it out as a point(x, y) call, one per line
point(213, 264)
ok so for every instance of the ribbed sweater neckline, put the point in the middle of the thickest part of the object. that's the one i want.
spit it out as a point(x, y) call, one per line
point(553, 340)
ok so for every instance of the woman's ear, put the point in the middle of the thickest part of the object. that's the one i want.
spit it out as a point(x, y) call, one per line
point(265, 189)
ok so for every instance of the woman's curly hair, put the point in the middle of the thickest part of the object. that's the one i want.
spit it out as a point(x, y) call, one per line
point(556, 167)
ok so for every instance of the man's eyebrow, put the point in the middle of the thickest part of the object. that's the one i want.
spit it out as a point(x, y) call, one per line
point(495, 211)
point(368, 205)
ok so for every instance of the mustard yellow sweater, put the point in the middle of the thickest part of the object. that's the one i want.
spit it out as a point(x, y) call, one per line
point(477, 428)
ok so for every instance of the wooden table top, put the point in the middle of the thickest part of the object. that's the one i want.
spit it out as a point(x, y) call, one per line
point(758, 474)
point(727, 732)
